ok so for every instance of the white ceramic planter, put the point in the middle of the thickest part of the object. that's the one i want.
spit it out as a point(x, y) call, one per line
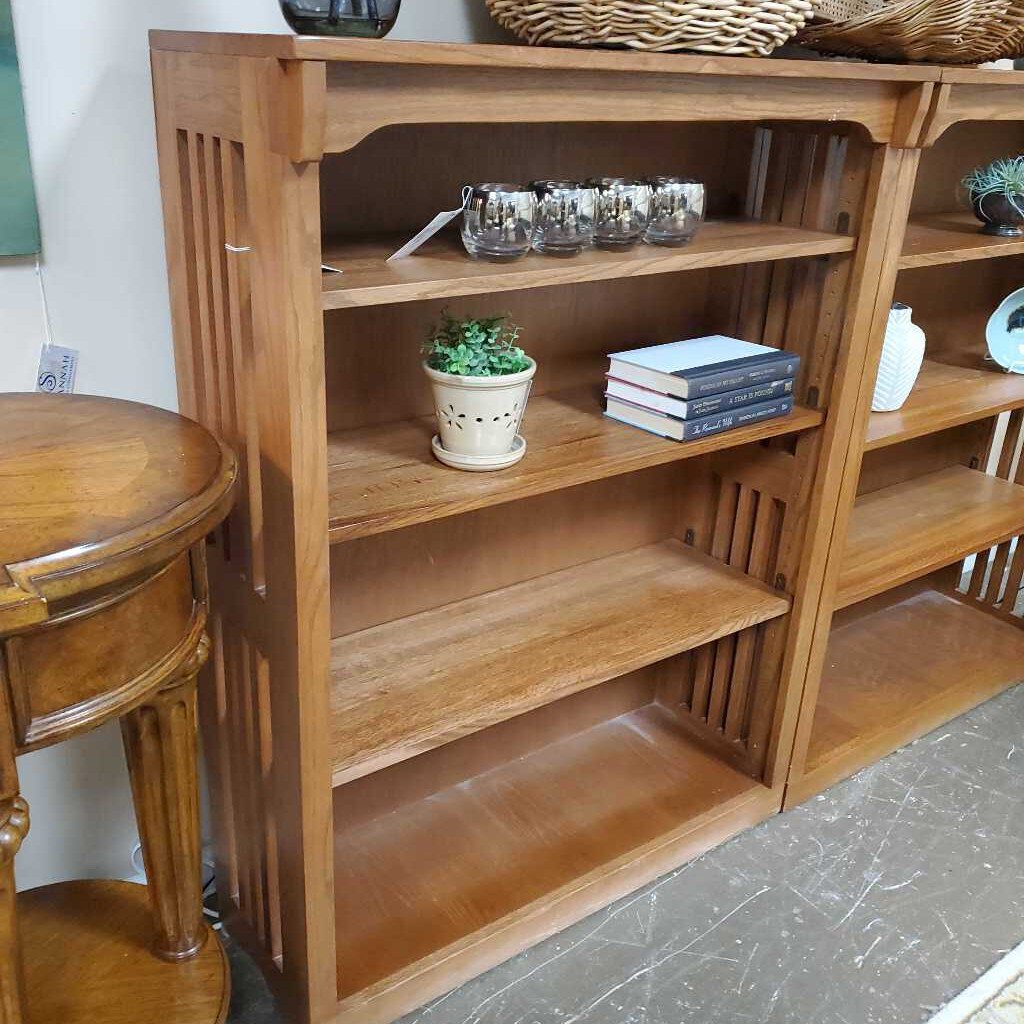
point(902, 354)
point(479, 417)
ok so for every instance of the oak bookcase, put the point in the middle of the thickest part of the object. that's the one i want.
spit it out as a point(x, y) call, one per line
point(451, 713)
point(920, 616)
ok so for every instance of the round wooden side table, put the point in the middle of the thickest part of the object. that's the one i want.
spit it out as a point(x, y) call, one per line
point(104, 511)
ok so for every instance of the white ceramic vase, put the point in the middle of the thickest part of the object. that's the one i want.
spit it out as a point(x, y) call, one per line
point(902, 355)
point(479, 417)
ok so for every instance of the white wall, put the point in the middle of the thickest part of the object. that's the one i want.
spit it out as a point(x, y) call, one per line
point(85, 75)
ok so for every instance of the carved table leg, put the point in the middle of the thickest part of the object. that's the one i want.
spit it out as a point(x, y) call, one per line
point(13, 829)
point(160, 746)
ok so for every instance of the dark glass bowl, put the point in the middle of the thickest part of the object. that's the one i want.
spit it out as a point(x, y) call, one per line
point(1000, 214)
point(369, 19)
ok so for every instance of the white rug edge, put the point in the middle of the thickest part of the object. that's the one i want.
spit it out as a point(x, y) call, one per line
point(990, 984)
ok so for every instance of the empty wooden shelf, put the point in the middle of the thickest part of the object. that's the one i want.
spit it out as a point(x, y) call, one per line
point(529, 844)
point(904, 531)
point(382, 478)
point(946, 396)
point(900, 668)
point(441, 270)
point(465, 666)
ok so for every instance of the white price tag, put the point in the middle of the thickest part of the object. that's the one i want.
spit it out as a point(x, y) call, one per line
point(431, 229)
point(57, 367)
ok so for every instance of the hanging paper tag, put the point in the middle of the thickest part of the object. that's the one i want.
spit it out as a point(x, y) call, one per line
point(57, 367)
point(431, 229)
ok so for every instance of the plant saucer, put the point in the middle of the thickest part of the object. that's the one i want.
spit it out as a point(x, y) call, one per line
point(479, 463)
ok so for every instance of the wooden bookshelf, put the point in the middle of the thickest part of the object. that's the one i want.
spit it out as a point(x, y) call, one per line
point(926, 566)
point(452, 712)
point(383, 478)
point(440, 270)
point(946, 396)
point(904, 531)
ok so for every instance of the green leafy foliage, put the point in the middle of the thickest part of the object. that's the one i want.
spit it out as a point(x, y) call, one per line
point(475, 348)
point(1001, 177)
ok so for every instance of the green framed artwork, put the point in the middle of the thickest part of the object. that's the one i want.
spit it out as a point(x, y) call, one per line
point(19, 223)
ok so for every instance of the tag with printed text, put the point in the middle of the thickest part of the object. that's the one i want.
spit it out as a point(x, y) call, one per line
point(57, 368)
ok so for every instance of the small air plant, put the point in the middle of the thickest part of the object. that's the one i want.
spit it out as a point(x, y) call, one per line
point(997, 195)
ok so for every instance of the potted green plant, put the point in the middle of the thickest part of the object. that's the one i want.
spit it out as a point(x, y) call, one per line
point(997, 195)
point(481, 380)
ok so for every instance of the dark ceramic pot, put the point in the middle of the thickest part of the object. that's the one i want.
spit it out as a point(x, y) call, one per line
point(367, 18)
point(1000, 214)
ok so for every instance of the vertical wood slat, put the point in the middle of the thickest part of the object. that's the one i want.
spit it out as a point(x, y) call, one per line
point(265, 741)
point(213, 720)
point(236, 232)
point(725, 649)
point(203, 301)
point(721, 540)
point(760, 564)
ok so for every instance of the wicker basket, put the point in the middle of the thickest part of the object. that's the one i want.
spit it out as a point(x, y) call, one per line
point(942, 31)
point(738, 27)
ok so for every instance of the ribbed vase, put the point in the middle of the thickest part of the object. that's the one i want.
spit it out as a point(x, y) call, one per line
point(902, 355)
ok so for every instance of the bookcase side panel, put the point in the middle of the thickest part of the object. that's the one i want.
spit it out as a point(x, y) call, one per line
point(887, 203)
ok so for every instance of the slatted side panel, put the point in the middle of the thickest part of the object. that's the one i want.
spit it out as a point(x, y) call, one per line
point(994, 577)
point(800, 177)
point(721, 686)
point(237, 722)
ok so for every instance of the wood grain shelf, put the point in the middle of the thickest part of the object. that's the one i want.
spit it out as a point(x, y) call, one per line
point(956, 237)
point(946, 396)
point(385, 477)
point(539, 839)
point(411, 685)
point(904, 531)
point(909, 663)
point(441, 269)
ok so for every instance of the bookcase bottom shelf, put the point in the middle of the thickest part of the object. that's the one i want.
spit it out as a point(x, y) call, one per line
point(897, 667)
point(456, 881)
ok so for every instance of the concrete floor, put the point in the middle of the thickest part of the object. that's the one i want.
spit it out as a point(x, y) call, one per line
point(872, 904)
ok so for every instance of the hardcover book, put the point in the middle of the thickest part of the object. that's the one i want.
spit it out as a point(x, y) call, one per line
point(702, 366)
point(688, 409)
point(688, 430)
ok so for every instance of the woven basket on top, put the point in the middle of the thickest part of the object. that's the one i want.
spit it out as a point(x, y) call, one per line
point(738, 27)
point(942, 31)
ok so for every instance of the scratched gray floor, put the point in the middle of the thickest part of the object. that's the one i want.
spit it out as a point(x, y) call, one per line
point(872, 904)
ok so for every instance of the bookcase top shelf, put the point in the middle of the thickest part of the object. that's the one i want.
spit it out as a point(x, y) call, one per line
point(408, 686)
point(337, 92)
point(491, 55)
point(441, 269)
point(384, 478)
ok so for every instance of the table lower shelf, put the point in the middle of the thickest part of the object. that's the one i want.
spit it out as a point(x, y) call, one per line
point(898, 668)
point(458, 880)
point(87, 950)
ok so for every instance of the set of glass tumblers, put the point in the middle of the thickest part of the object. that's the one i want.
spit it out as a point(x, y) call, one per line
point(502, 222)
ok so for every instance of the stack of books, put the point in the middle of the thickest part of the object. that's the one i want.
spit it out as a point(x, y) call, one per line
point(690, 389)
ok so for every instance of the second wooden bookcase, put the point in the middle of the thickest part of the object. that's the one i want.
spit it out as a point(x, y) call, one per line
point(920, 614)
